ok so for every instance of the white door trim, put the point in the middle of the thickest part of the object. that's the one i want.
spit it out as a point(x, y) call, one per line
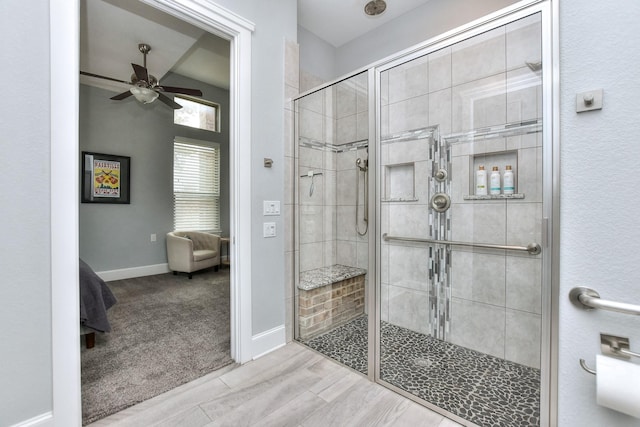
point(65, 293)
point(64, 78)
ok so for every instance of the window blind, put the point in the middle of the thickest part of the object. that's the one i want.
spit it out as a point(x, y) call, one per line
point(196, 186)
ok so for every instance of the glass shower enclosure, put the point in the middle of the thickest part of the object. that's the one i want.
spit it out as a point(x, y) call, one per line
point(409, 270)
point(332, 226)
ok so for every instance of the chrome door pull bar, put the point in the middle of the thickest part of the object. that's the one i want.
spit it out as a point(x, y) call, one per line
point(588, 299)
point(532, 248)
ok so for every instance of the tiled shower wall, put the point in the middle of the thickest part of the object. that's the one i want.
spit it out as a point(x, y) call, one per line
point(316, 193)
point(332, 124)
point(479, 83)
point(351, 132)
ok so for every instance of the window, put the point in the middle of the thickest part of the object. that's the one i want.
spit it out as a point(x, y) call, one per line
point(197, 113)
point(196, 185)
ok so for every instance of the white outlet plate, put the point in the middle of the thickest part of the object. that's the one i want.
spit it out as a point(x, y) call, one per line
point(153, 237)
point(271, 207)
point(269, 229)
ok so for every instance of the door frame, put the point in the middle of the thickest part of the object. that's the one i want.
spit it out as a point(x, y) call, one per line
point(64, 39)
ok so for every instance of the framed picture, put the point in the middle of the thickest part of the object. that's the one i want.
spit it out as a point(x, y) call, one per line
point(105, 178)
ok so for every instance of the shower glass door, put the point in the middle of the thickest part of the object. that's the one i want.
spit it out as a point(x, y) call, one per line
point(332, 233)
point(460, 272)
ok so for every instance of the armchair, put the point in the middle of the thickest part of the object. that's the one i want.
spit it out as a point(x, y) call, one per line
point(189, 251)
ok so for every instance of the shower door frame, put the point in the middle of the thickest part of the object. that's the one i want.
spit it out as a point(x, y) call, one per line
point(550, 199)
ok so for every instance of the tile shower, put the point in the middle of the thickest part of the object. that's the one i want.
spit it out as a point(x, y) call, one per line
point(460, 325)
point(332, 136)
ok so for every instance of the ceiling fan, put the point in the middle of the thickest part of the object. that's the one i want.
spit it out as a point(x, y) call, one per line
point(145, 87)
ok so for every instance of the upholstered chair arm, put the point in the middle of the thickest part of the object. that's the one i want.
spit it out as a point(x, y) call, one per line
point(179, 252)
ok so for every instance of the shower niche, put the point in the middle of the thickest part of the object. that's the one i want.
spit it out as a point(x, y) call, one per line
point(488, 160)
point(400, 183)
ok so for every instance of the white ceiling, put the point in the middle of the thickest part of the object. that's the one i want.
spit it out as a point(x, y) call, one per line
point(340, 21)
point(110, 31)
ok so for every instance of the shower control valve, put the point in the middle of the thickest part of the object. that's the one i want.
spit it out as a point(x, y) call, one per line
point(440, 202)
point(441, 175)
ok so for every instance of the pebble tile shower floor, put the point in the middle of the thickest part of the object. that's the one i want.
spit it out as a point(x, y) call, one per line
point(483, 389)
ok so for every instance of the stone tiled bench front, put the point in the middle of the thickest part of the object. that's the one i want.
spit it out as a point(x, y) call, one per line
point(329, 297)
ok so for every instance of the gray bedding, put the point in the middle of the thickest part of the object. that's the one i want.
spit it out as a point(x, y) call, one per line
point(95, 299)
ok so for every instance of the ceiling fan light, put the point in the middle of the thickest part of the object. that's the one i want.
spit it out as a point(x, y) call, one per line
point(144, 95)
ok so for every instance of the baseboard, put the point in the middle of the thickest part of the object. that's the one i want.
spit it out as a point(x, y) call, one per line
point(40, 420)
point(129, 273)
point(268, 341)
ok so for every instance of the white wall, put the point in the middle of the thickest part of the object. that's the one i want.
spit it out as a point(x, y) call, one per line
point(25, 253)
point(599, 178)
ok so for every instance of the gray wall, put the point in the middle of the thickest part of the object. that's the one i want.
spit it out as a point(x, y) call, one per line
point(416, 26)
point(599, 149)
point(25, 253)
point(275, 21)
point(316, 55)
point(118, 236)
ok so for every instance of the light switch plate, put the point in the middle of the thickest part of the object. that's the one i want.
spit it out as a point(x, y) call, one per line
point(589, 100)
point(271, 207)
point(269, 229)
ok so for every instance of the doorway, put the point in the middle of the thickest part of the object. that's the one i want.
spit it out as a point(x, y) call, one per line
point(64, 207)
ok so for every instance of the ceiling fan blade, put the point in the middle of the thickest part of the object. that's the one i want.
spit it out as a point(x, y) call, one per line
point(121, 96)
point(141, 72)
point(170, 102)
point(84, 73)
point(183, 90)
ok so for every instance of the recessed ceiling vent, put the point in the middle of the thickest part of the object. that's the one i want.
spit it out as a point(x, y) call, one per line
point(375, 7)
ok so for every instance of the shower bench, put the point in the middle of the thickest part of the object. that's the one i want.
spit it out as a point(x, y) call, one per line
point(329, 297)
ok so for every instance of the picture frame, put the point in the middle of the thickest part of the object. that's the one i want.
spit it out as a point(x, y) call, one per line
point(105, 178)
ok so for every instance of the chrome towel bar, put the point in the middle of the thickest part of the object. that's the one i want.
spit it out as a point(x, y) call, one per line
point(532, 248)
point(588, 299)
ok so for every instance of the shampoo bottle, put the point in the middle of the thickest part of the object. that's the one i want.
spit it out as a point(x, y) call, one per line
point(509, 187)
point(481, 182)
point(494, 187)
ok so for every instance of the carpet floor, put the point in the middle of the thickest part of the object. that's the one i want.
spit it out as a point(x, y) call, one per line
point(166, 331)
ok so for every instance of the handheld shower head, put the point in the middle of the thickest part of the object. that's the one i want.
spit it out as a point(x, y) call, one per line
point(363, 165)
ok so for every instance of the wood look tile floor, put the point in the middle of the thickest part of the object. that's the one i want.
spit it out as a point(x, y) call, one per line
point(292, 386)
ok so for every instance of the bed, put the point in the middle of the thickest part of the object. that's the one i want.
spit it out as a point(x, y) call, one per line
point(95, 299)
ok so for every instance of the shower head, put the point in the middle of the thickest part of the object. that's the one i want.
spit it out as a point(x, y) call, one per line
point(375, 7)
